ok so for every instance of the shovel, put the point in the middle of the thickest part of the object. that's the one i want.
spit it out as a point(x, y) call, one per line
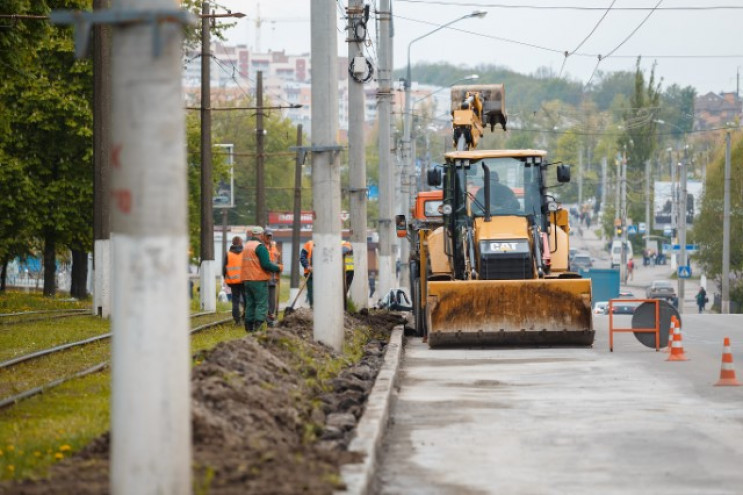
point(290, 309)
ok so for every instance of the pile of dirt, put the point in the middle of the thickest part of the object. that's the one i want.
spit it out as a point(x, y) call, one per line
point(272, 413)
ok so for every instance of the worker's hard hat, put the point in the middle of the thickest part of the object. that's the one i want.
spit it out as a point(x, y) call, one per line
point(268, 232)
point(257, 230)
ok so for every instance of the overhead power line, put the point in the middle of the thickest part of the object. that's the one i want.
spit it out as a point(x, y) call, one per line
point(569, 7)
point(567, 54)
point(600, 57)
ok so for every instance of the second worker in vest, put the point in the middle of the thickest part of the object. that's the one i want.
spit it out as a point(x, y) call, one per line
point(275, 280)
point(233, 262)
point(256, 270)
point(347, 251)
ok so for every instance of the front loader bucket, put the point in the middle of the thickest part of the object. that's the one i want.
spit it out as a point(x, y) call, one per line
point(510, 312)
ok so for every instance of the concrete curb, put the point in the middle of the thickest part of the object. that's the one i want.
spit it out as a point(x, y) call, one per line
point(373, 423)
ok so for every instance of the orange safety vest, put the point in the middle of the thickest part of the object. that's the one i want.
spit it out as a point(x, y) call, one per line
point(251, 266)
point(308, 247)
point(233, 268)
point(275, 255)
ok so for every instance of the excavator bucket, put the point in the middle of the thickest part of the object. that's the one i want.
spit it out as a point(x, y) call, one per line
point(509, 312)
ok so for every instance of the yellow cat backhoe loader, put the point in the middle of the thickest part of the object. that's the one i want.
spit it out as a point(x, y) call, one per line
point(494, 269)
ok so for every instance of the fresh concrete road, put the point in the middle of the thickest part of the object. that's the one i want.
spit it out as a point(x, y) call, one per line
point(569, 421)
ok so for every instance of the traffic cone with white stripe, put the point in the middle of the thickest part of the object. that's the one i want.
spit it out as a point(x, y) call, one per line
point(671, 329)
point(677, 348)
point(727, 372)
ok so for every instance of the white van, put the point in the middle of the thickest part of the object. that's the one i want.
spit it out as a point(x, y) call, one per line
point(616, 252)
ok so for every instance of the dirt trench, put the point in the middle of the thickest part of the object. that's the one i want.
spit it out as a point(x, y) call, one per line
point(272, 413)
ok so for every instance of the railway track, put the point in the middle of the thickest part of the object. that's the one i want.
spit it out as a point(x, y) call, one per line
point(22, 317)
point(8, 401)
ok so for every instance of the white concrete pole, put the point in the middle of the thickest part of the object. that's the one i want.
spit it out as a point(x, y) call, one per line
point(725, 304)
point(327, 262)
point(101, 157)
point(647, 204)
point(208, 284)
point(580, 179)
point(386, 186)
point(150, 365)
point(623, 217)
point(603, 185)
point(682, 230)
point(357, 167)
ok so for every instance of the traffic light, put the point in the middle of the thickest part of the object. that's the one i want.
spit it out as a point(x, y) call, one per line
point(619, 231)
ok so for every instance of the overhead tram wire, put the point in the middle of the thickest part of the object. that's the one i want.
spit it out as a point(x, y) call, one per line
point(554, 50)
point(567, 7)
point(600, 57)
point(567, 54)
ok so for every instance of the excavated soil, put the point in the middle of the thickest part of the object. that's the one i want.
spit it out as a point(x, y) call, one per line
point(272, 413)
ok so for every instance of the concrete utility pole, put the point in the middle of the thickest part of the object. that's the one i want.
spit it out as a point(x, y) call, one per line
point(647, 204)
point(260, 183)
point(580, 179)
point(208, 292)
point(618, 190)
point(101, 164)
point(674, 210)
point(151, 360)
point(623, 216)
point(327, 262)
point(682, 229)
point(725, 308)
point(386, 186)
point(297, 219)
point(356, 158)
point(603, 185)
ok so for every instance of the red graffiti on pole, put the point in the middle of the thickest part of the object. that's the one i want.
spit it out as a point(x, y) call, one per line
point(115, 155)
point(123, 199)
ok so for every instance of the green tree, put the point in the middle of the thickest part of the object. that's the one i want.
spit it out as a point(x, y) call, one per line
point(49, 117)
point(708, 226)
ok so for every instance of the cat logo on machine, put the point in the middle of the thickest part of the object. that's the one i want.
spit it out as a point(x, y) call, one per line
point(503, 247)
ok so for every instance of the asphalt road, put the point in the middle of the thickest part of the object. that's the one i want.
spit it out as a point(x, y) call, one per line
point(570, 420)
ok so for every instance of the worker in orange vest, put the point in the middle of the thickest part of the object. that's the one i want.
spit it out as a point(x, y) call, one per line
point(274, 282)
point(256, 267)
point(232, 266)
point(305, 258)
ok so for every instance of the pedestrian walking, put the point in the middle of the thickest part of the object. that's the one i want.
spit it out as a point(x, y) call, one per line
point(347, 251)
point(305, 258)
point(256, 267)
point(630, 268)
point(702, 299)
point(274, 282)
point(231, 271)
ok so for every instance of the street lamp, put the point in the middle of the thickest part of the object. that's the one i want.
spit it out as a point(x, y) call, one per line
point(407, 159)
point(682, 210)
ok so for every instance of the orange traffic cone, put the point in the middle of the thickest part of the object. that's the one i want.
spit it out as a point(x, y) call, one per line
point(727, 372)
point(677, 348)
point(671, 329)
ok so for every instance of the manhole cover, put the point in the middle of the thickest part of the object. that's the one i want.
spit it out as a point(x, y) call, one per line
point(644, 317)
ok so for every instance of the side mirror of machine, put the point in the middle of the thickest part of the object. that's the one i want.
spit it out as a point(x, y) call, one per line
point(401, 226)
point(434, 177)
point(563, 173)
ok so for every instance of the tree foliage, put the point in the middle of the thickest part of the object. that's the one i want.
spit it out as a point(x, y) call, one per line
point(708, 226)
point(49, 124)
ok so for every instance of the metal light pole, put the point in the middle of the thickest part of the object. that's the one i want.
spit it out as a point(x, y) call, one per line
point(407, 158)
point(682, 228)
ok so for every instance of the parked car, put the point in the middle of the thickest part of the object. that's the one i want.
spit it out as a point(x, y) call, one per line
point(625, 307)
point(626, 295)
point(581, 262)
point(601, 308)
point(661, 289)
